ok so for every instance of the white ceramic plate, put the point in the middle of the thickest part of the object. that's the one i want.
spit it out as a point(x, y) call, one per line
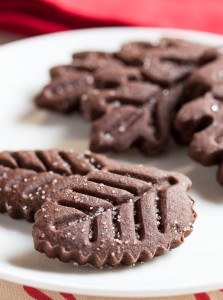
point(195, 266)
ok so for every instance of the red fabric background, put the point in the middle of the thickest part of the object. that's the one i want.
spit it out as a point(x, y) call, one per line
point(32, 17)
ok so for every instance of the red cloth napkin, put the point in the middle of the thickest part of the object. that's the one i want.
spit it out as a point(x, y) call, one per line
point(43, 16)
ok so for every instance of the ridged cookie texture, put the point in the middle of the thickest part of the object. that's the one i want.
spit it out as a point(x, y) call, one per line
point(200, 121)
point(119, 215)
point(29, 178)
point(130, 96)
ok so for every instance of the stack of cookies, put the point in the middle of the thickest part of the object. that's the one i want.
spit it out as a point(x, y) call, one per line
point(91, 209)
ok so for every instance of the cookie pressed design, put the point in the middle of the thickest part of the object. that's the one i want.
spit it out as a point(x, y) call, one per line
point(120, 214)
point(29, 178)
point(200, 122)
point(207, 78)
point(130, 96)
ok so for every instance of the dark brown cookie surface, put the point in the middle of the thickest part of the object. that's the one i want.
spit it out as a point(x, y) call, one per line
point(208, 78)
point(166, 62)
point(122, 214)
point(70, 82)
point(141, 77)
point(147, 106)
point(29, 178)
point(200, 123)
point(144, 122)
point(63, 94)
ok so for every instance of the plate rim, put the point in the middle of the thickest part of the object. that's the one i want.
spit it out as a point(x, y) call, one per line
point(119, 292)
point(161, 30)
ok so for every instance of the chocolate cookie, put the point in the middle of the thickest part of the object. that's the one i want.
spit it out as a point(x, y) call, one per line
point(146, 126)
point(208, 78)
point(166, 62)
point(70, 82)
point(63, 93)
point(122, 214)
point(142, 79)
point(200, 123)
point(29, 178)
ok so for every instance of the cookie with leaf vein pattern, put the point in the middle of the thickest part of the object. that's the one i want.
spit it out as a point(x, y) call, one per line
point(141, 77)
point(121, 214)
point(148, 106)
point(69, 82)
point(200, 123)
point(29, 178)
point(207, 78)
